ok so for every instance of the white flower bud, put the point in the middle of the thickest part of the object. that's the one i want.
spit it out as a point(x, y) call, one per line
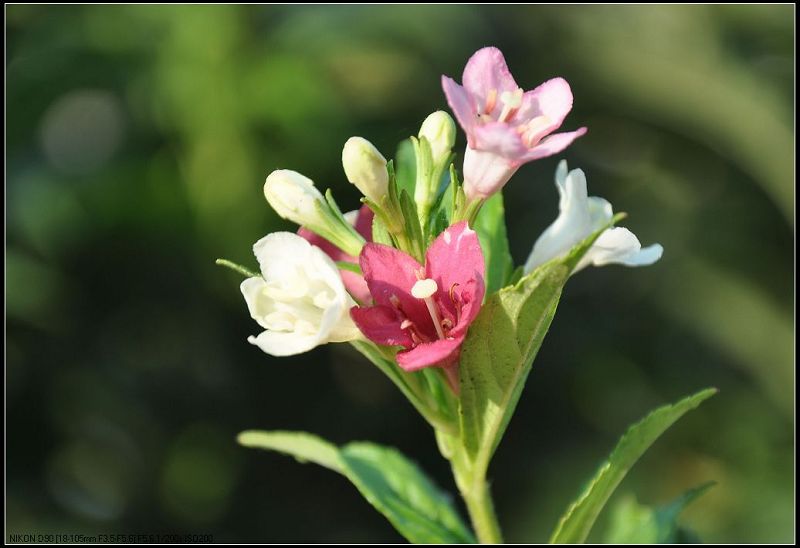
point(440, 131)
point(365, 167)
point(294, 197)
point(299, 299)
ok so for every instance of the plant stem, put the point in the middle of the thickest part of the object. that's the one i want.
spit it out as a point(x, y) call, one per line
point(471, 482)
point(481, 512)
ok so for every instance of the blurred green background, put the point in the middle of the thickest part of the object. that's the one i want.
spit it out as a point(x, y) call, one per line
point(138, 140)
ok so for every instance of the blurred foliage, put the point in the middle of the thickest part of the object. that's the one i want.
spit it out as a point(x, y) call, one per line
point(138, 139)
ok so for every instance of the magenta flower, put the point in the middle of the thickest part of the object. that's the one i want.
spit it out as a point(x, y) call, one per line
point(354, 283)
point(426, 309)
point(505, 126)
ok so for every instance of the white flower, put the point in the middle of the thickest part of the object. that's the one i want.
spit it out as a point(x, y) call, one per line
point(365, 167)
point(440, 131)
point(299, 299)
point(579, 216)
point(294, 197)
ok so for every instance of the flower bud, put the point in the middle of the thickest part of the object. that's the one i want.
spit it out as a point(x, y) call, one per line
point(440, 131)
point(294, 197)
point(365, 167)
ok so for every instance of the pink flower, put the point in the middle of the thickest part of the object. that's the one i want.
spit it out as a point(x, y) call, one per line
point(354, 283)
point(505, 126)
point(426, 309)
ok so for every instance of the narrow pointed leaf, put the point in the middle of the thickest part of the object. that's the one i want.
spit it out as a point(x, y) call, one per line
point(394, 485)
point(399, 490)
point(406, 166)
point(491, 228)
point(303, 446)
point(633, 523)
point(579, 518)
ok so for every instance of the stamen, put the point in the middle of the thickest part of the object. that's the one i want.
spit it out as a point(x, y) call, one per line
point(452, 294)
point(511, 100)
point(457, 301)
point(425, 289)
point(534, 128)
point(491, 101)
point(415, 337)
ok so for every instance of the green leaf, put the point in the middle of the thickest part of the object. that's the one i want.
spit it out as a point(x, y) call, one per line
point(379, 233)
point(394, 485)
point(498, 352)
point(406, 166)
point(443, 208)
point(399, 490)
point(491, 228)
point(633, 523)
point(413, 230)
point(579, 518)
point(303, 446)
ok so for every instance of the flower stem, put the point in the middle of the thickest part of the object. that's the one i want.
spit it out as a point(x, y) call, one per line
point(481, 512)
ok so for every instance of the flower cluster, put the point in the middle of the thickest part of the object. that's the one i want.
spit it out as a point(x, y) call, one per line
point(406, 272)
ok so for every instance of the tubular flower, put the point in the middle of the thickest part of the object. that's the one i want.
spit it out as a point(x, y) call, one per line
point(506, 127)
point(355, 283)
point(425, 309)
point(299, 299)
point(579, 216)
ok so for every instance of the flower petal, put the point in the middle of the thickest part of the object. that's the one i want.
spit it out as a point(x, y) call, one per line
point(390, 275)
point(363, 223)
point(361, 219)
point(455, 257)
point(487, 70)
point(441, 352)
point(381, 325)
point(471, 296)
point(461, 104)
point(553, 144)
point(277, 343)
point(485, 173)
point(574, 221)
point(455, 261)
point(552, 99)
point(620, 245)
point(257, 303)
point(501, 139)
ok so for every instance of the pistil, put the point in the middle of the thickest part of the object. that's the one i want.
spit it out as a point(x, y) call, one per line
point(425, 289)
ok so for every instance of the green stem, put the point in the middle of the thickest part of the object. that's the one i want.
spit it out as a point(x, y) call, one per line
point(481, 512)
point(471, 481)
